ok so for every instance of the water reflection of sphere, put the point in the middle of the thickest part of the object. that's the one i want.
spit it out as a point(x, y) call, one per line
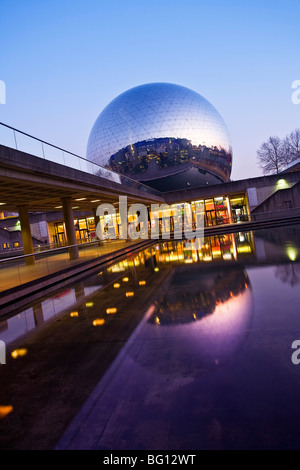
point(193, 341)
point(164, 135)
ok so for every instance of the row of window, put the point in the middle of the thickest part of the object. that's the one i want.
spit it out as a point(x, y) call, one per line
point(5, 246)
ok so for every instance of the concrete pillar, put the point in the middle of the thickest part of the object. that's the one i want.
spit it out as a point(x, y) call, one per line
point(70, 228)
point(38, 314)
point(229, 210)
point(96, 217)
point(79, 293)
point(97, 220)
point(26, 233)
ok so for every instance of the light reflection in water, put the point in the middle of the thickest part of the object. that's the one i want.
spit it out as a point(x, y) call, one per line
point(197, 294)
point(111, 310)
point(45, 311)
point(226, 248)
point(5, 410)
point(200, 321)
point(98, 322)
point(201, 318)
point(19, 353)
point(74, 314)
point(292, 252)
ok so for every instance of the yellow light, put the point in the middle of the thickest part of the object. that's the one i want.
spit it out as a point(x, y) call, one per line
point(156, 269)
point(282, 184)
point(142, 283)
point(74, 314)
point(125, 279)
point(116, 285)
point(18, 353)
point(292, 253)
point(129, 294)
point(89, 304)
point(244, 249)
point(111, 310)
point(5, 410)
point(98, 321)
point(157, 320)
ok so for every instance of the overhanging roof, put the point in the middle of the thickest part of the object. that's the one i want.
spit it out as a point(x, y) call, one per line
point(39, 183)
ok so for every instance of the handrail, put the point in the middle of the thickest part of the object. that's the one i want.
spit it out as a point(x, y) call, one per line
point(36, 253)
point(43, 141)
point(121, 179)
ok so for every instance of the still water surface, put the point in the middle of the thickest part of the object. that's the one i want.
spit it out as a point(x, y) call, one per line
point(172, 348)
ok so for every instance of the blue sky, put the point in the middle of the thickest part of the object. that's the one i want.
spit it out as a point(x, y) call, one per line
point(63, 61)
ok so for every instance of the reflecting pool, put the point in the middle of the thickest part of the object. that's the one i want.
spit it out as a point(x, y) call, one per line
point(178, 347)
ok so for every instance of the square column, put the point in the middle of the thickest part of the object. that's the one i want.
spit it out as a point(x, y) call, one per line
point(26, 233)
point(70, 228)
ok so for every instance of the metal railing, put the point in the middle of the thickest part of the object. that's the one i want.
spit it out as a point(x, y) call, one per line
point(19, 140)
point(15, 271)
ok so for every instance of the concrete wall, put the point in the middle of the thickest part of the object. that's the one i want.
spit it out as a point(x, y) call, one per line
point(9, 237)
point(264, 187)
point(41, 224)
point(283, 201)
point(265, 192)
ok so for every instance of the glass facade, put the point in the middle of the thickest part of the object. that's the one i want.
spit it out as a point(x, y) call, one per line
point(164, 135)
point(217, 211)
point(84, 228)
point(224, 209)
point(239, 208)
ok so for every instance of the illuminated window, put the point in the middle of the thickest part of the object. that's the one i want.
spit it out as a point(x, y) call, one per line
point(219, 203)
point(16, 244)
point(82, 224)
point(209, 205)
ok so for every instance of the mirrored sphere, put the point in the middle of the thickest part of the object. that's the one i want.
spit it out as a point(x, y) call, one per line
point(164, 135)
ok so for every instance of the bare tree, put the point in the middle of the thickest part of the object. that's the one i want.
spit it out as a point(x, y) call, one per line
point(293, 145)
point(288, 273)
point(287, 151)
point(271, 155)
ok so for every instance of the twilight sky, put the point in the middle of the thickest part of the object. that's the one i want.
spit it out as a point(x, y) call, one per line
point(64, 61)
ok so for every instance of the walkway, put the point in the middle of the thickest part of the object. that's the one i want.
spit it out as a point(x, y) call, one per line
point(15, 273)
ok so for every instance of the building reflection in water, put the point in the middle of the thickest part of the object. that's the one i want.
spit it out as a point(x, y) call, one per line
point(40, 313)
point(171, 253)
point(202, 318)
point(214, 248)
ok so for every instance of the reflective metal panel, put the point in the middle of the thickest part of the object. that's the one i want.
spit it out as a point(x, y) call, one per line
point(164, 135)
